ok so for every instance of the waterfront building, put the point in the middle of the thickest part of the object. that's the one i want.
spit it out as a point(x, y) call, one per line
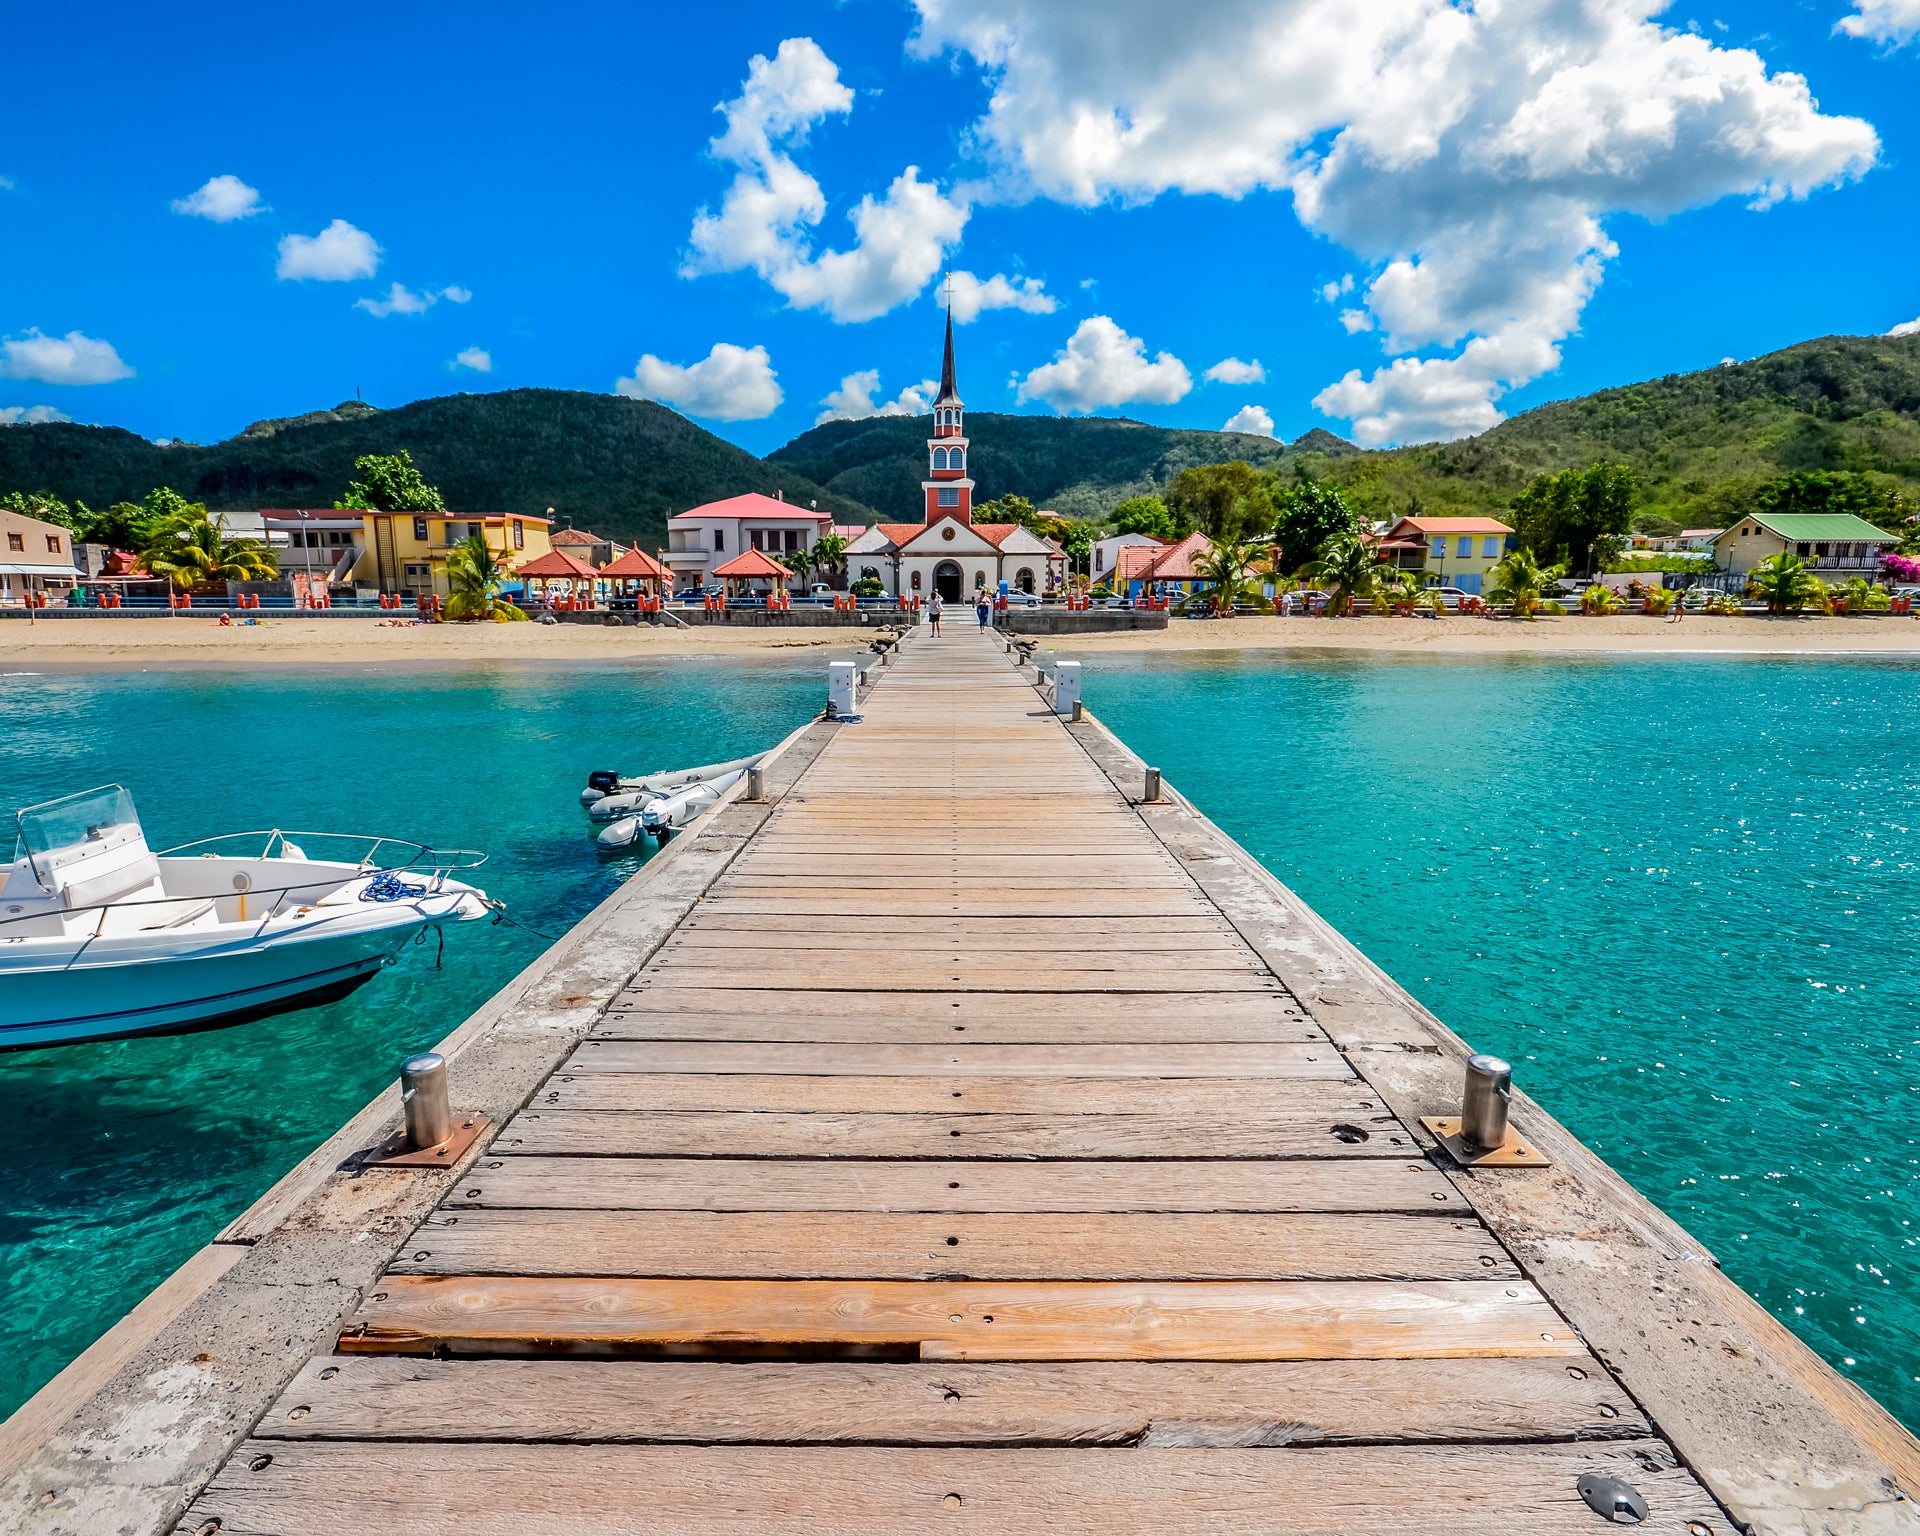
point(1835, 545)
point(590, 547)
point(1448, 551)
point(1104, 554)
point(947, 551)
point(707, 537)
point(394, 552)
point(558, 574)
point(35, 557)
point(1165, 570)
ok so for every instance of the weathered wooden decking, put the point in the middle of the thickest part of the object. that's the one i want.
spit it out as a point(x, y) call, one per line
point(955, 1165)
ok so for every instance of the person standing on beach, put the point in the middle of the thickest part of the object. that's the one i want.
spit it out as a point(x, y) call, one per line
point(933, 613)
point(1679, 606)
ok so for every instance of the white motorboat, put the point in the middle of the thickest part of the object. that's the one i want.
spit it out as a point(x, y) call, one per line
point(608, 797)
point(101, 938)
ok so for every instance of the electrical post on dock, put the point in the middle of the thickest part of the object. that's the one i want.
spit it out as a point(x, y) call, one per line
point(1066, 687)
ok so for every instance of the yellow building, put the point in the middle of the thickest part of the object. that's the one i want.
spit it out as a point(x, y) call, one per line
point(1448, 551)
point(402, 552)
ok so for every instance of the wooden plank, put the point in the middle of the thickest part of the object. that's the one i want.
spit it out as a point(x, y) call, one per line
point(962, 1320)
point(1127, 947)
point(962, 1060)
point(320, 1488)
point(1110, 1026)
point(945, 1095)
point(921, 974)
point(659, 997)
point(910, 1245)
point(751, 1184)
point(1222, 1134)
point(851, 1402)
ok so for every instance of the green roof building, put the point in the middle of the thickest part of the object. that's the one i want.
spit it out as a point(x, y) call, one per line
point(1835, 545)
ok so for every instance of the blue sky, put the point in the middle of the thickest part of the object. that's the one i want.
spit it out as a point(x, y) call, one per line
point(1411, 223)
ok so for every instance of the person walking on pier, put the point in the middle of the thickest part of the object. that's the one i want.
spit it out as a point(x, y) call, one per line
point(983, 609)
point(933, 613)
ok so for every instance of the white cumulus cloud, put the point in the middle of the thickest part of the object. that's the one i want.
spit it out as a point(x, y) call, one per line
point(1102, 365)
point(475, 359)
point(1883, 21)
point(1251, 419)
point(767, 216)
point(223, 199)
point(1468, 155)
point(69, 359)
point(1231, 370)
point(853, 400)
point(30, 415)
point(399, 299)
point(1904, 328)
point(453, 293)
point(729, 384)
point(338, 254)
point(972, 296)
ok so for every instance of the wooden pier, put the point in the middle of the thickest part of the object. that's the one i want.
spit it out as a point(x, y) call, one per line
point(974, 1155)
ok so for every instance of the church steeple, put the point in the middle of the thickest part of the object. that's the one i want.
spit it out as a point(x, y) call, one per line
point(949, 492)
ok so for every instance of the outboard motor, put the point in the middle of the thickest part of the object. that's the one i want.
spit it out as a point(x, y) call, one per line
point(603, 779)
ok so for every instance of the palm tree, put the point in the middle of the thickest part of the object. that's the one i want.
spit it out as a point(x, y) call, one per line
point(828, 556)
point(476, 575)
point(1349, 567)
point(1402, 589)
point(1601, 600)
point(1858, 595)
point(193, 549)
point(1227, 569)
point(1784, 583)
point(1520, 579)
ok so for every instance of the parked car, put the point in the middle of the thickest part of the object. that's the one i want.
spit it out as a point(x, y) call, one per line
point(1023, 600)
point(820, 591)
point(1451, 598)
point(1118, 602)
point(688, 595)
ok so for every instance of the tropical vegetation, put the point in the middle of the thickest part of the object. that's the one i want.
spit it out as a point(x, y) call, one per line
point(1601, 601)
point(1231, 580)
point(476, 574)
point(1784, 584)
point(192, 549)
point(1348, 568)
point(1521, 582)
point(389, 483)
point(1858, 595)
point(1578, 517)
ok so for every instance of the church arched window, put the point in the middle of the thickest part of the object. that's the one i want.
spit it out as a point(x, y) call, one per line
point(956, 458)
point(939, 458)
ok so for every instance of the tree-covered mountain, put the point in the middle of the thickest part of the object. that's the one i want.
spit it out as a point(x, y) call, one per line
point(1075, 467)
point(619, 466)
point(1700, 445)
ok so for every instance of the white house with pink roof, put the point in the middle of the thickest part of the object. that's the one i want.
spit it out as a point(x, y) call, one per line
point(711, 535)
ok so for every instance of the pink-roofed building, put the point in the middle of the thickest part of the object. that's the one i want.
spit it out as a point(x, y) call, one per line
point(709, 536)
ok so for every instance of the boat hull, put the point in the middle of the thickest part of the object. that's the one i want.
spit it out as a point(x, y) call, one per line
point(175, 995)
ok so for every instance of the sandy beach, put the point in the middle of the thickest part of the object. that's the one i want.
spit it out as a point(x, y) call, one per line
point(133, 644)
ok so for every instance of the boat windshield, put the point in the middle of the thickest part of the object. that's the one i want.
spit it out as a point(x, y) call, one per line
point(102, 818)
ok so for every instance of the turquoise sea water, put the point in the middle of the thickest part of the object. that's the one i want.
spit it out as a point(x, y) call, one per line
point(1679, 893)
point(124, 1158)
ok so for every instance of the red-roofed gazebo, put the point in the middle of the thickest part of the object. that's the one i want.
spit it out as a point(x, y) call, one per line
point(637, 575)
point(557, 568)
point(750, 566)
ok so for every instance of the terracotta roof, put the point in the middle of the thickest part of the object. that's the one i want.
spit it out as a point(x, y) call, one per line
point(753, 504)
point(996, 534)
point(556, 562)
point(898, 533)
point(751, 562)
point(1452, 525)
point(848, 531)
point(575, 536)
point(1172, 562)
point(637, 563)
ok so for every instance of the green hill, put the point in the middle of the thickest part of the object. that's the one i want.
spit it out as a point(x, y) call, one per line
point(1700, 443)
point(621, 467)
point(1077, 468)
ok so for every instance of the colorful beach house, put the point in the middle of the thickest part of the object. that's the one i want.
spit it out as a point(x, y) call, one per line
point(1447, 551)
point(708, 536)
point(36, 559)
point(1835, 545)
point(1164, 570)
point(394, 552)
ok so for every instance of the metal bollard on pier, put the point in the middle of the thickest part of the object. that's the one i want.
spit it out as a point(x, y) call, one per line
point(1479, 1136)
point(1150, 788)
point(432, 1134)
point(756, 783)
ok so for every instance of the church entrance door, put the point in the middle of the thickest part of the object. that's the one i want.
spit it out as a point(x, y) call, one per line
point(946, 580)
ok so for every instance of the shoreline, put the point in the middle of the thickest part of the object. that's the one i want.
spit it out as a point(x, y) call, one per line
point(129, 645)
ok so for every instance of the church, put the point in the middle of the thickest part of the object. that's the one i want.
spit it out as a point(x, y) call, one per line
point(948, 552)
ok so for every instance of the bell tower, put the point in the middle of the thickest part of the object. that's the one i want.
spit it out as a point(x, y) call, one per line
point(948, 489)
